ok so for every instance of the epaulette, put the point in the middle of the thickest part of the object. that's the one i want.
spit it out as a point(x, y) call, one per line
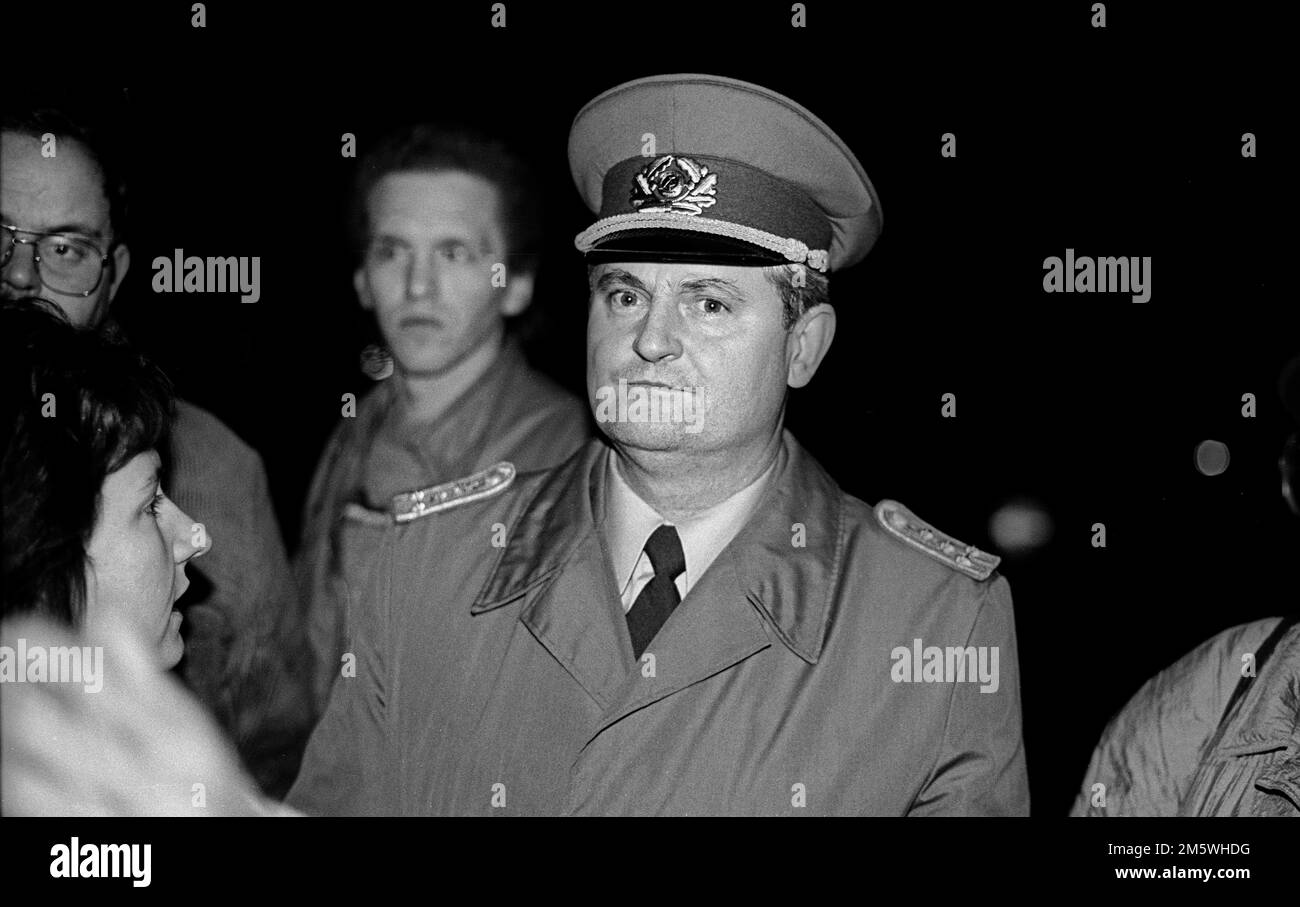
point(903, 524)
point(484, 484)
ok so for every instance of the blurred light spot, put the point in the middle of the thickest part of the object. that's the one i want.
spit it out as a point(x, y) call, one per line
point(1019, 527)
point(1212, 458)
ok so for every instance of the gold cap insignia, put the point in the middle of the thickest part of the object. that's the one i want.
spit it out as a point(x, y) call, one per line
point(675, 184)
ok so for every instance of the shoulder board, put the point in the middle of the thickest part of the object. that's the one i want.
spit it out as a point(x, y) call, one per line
point(359, 514)
point(903, 524)
point(484, 484)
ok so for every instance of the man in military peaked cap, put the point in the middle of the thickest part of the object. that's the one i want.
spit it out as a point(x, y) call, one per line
point(688, 616)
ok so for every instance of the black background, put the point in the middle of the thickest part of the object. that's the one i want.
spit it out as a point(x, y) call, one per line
point(1123, 141)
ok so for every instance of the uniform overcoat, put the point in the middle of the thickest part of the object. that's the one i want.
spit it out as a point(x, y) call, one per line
point(495, 674)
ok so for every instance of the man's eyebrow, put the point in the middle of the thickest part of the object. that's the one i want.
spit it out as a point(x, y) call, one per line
point(716, 284)
point(80, 229)
point(473, 238)
point(618, 275)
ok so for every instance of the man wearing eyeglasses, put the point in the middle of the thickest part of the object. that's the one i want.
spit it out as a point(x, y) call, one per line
point(70, 264)
point(62, 207)
point(74, 254)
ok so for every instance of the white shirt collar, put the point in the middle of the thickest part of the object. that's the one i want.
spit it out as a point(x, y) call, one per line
point(629, 521)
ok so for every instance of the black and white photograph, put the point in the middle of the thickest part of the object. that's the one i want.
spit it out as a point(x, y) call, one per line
point(587, 410)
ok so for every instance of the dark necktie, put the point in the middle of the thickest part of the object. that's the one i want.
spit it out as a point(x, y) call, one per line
point(659, 596)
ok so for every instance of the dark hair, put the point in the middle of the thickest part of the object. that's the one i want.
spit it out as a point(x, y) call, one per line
point(95, 133)
point(436, 148)
point(84, 403)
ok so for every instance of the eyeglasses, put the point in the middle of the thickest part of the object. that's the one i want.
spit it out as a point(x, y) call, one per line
point(68, 265)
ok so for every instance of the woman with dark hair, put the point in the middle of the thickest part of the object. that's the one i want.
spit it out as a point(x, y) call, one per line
point(95, 552)
point(90, 538)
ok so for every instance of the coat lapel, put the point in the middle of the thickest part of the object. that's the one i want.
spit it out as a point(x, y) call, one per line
point(762, 586)
point(554, 558)
point(715, 627)
point(788, 557)
point(577, 617)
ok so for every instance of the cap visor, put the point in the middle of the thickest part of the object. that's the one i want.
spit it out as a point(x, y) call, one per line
point(681, 246)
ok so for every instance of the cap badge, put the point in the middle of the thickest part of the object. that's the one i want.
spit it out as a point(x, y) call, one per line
point(675, 184)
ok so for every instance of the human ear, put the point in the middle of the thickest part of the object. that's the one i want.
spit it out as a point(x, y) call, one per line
point(808, 343)
point(518, 295)
point(121, 256)
point(362, 287)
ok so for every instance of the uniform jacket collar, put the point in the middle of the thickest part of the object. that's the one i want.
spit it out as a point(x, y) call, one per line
point(450, 446)
point(793, 587)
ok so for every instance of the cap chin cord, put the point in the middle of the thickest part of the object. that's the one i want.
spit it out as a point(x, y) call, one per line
point(790, 249)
